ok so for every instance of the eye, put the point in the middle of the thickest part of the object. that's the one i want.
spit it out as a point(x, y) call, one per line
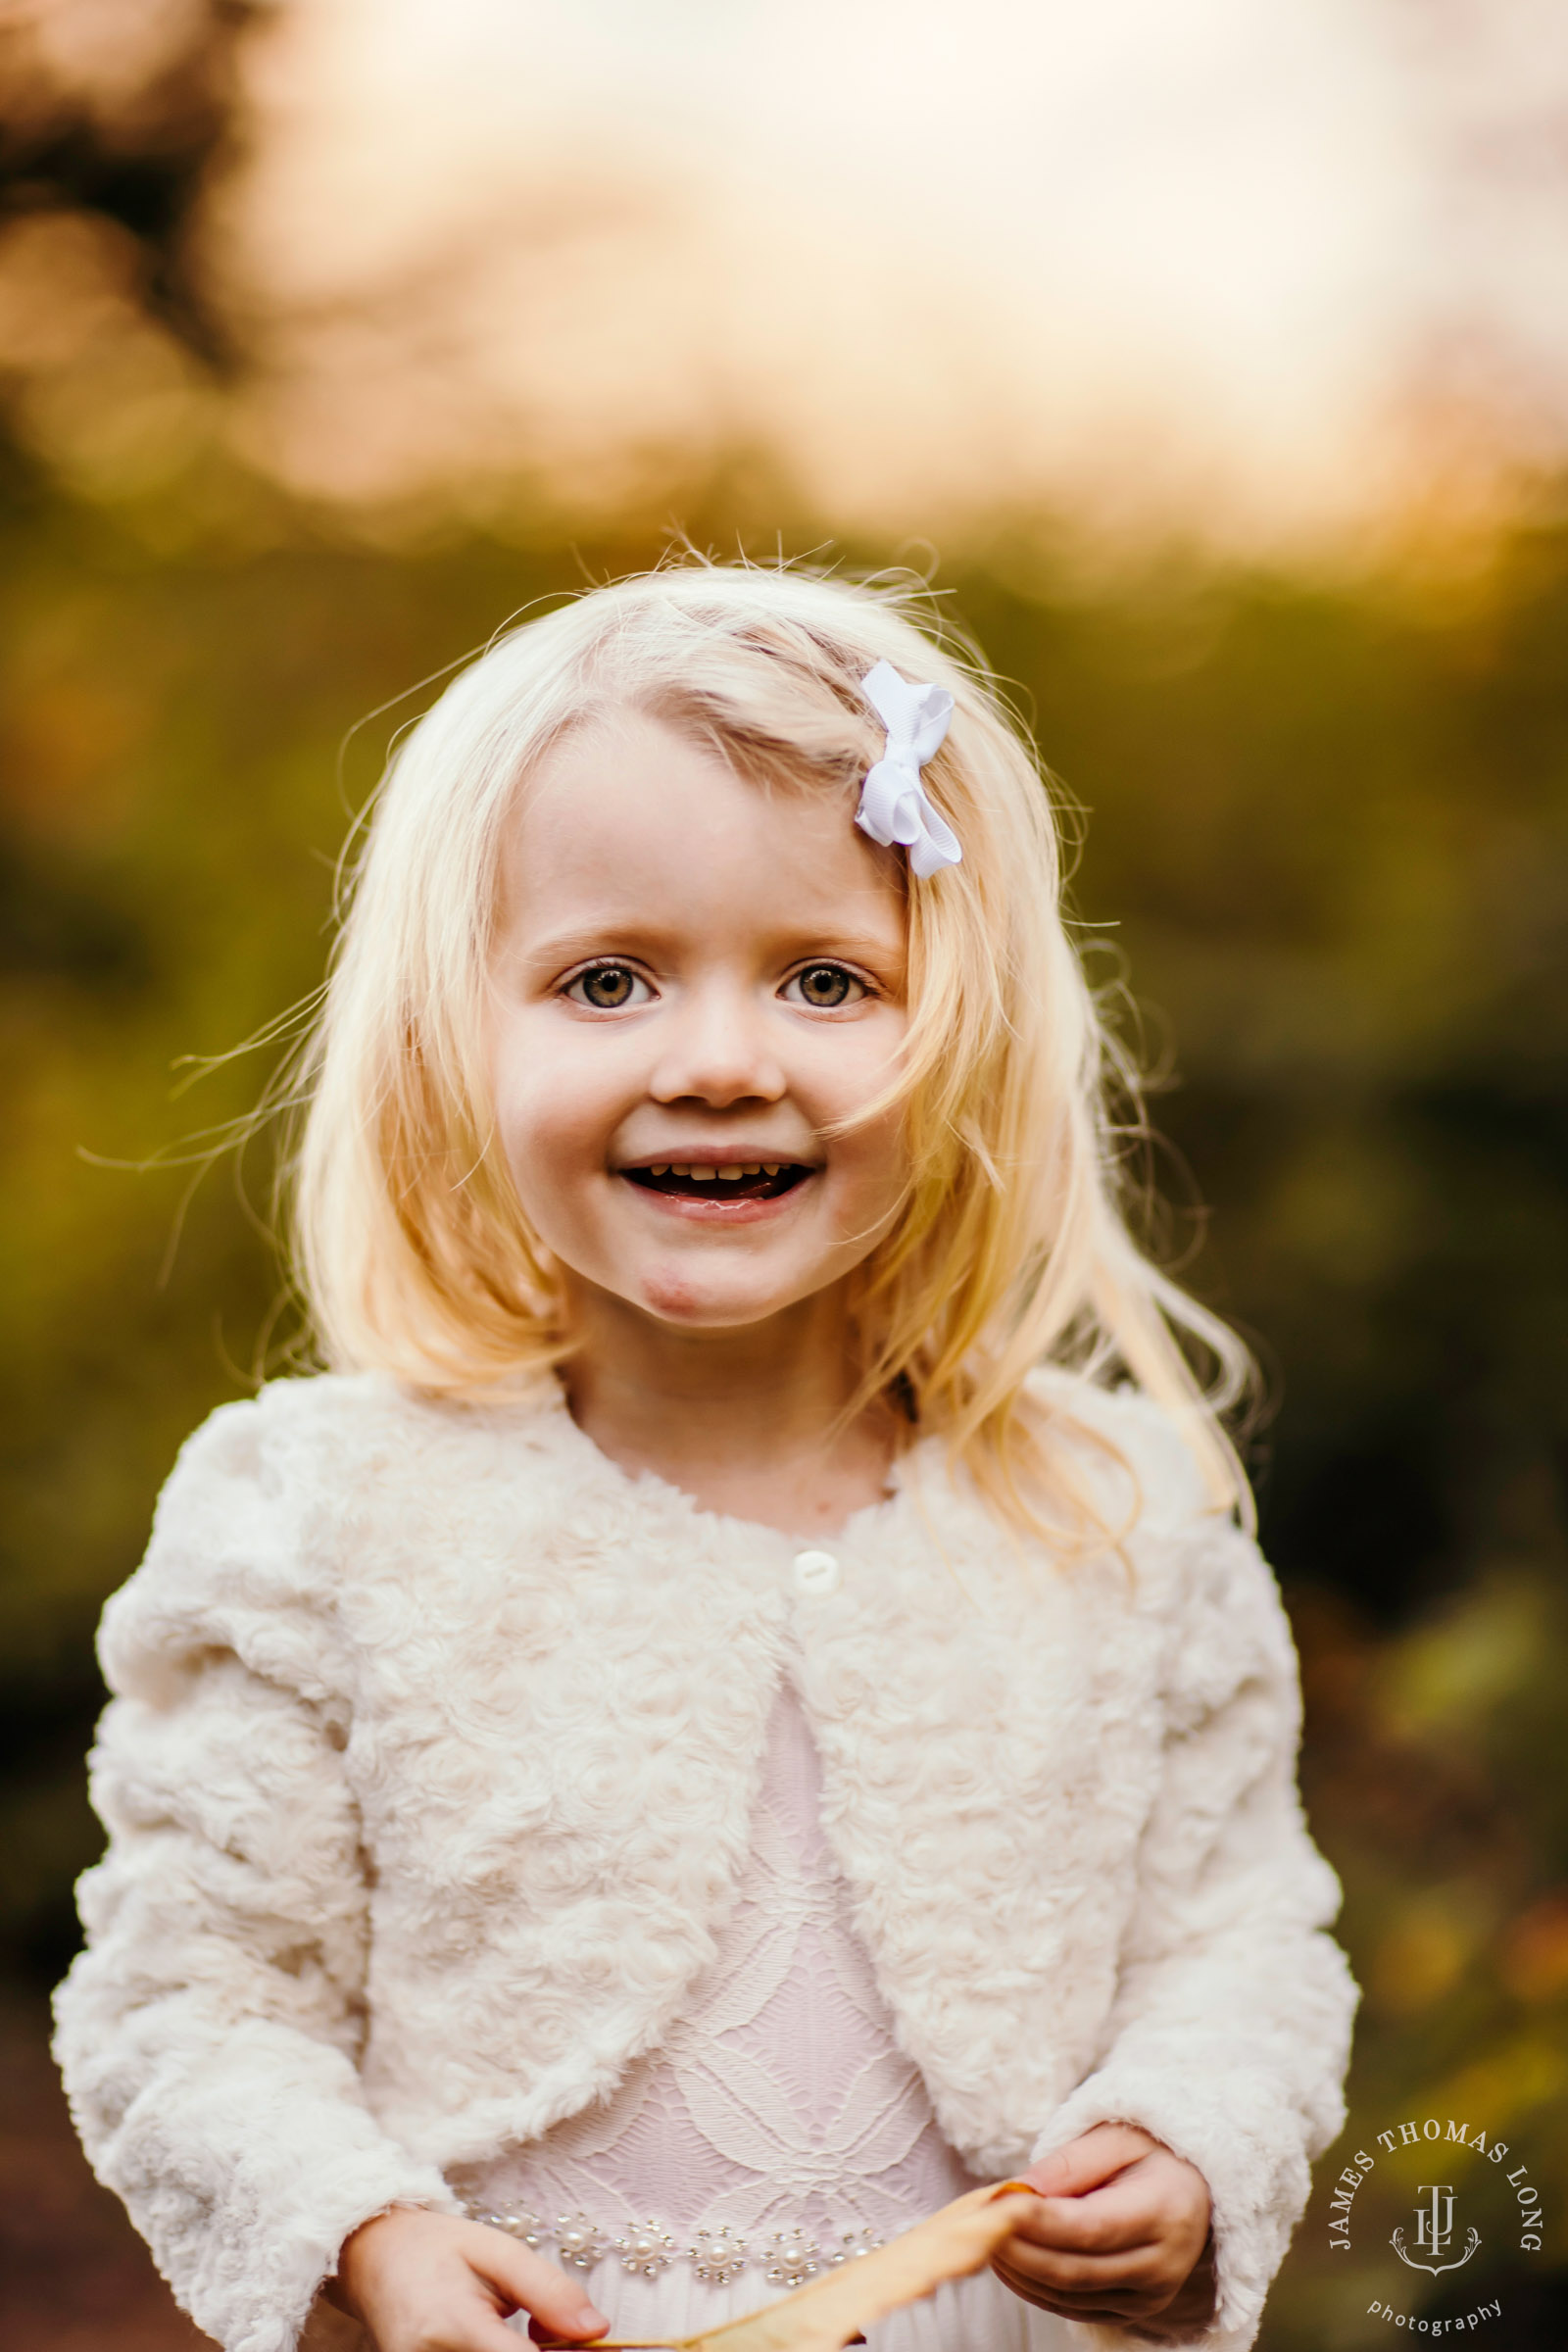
point(824, 987)
point(609, 988)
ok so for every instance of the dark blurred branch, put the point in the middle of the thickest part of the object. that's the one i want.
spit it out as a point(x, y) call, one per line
point(88, 130)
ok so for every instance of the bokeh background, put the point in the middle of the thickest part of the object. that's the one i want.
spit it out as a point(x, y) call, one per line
point(1214, 363)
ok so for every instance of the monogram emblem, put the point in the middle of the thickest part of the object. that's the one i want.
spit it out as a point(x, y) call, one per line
point(1434, 2233)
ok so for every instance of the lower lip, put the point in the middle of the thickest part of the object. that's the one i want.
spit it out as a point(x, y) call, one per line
point(692, 1209)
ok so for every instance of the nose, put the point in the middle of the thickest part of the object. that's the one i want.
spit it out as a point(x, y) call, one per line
point(715, 1049)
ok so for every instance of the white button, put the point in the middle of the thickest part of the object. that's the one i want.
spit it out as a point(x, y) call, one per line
point(817, 1571)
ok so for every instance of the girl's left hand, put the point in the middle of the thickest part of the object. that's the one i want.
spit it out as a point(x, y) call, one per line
point(1120, 2236)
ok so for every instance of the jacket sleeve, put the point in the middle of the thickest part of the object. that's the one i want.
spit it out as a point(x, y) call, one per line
point(1230, 2032)
point(208, 2035)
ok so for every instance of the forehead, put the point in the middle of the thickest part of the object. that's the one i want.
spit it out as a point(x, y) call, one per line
point(628, 818)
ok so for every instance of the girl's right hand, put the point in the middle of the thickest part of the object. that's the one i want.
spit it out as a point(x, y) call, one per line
point(427, 2282)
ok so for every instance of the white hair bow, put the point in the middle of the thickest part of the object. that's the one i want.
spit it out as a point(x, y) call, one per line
point(894, 807)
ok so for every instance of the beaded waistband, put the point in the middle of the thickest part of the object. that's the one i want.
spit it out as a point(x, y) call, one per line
point(784, 2257)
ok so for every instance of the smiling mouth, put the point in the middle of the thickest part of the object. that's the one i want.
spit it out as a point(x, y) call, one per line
point(741, 1179)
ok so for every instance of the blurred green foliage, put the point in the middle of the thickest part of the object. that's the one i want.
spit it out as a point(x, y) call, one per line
point(1326, 847)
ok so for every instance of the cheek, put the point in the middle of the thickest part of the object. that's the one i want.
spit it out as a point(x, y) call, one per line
point(874, 1159)
point(837, 1073)
point(553, 1120)
point(877, 1169)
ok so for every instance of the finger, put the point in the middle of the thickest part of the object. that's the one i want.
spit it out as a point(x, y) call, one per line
point(1125, 2298)
point(1087, 2313)
point(480, 2328)
point(1086, 2274)
point(1105, 2221)
point(525, 2282)
point(464, 2320)
point(1085, 2307)
point(1089, 2160)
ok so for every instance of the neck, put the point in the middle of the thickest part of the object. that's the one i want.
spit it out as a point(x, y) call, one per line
point(748, 1422)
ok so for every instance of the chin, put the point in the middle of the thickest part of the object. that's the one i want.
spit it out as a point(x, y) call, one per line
point(697, 1305)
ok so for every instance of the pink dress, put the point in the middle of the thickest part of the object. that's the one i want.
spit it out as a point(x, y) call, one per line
point(777, 2132)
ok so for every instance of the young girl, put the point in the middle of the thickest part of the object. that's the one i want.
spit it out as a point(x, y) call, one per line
point(741, 1705)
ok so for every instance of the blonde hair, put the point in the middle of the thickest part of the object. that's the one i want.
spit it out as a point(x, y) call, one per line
point(1011, 1249)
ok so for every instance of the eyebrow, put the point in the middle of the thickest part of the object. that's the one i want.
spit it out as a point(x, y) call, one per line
point(636, 935)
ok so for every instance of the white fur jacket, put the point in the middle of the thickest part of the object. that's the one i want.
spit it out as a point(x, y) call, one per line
point(429, 1776)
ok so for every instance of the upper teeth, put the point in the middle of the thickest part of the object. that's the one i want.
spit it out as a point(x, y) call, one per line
point(703, 1174)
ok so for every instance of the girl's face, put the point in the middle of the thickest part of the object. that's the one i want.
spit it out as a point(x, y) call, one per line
point(695, 977)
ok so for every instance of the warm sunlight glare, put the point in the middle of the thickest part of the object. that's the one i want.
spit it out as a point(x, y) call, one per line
point(1250, 268)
